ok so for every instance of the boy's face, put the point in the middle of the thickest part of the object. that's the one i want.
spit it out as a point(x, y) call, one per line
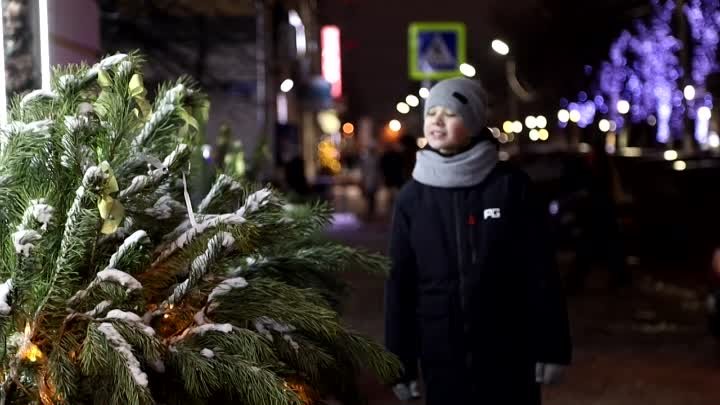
point(445, 130)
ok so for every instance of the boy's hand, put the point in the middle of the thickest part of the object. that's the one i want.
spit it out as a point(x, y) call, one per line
point(548, 373)
point(406, 391)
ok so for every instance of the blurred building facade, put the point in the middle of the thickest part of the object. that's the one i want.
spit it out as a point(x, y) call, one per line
point(259, 60)
point(242, 52)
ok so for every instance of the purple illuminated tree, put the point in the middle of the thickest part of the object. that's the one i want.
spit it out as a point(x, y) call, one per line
point(704, 19)
point(615, 74)
point(644, 69)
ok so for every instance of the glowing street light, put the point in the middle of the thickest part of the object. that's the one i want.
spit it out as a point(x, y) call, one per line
point(507, 127)
point(670, 155)
point(500, 47)
point(395, 125)
point(517, 127)
point(679, 165)
point(287, 85)
point(530, 122)
point(541, 121)
point(424, 92)
point(467, 70)
point(543, 134)
point(563, 115)
point(412, 100)
point(534, 135)
point(403, 108)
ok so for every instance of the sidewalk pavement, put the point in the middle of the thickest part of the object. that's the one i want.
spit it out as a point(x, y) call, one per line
point(646, 344)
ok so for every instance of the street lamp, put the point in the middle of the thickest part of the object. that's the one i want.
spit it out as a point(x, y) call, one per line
point(287, 85)
point(518, 91)
point(403, 108)
point(500, 47)
point(412, 100)
point(424, 92)
point(467, 70)
point(395, 125)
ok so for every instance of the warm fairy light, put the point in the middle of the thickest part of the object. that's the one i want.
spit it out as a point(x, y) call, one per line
point(303, 392)
point(166, 316)
point(30, 350)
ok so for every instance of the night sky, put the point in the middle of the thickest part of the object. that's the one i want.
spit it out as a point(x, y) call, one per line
point(552, 41)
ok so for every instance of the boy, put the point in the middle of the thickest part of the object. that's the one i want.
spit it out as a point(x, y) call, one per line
point(472, 292)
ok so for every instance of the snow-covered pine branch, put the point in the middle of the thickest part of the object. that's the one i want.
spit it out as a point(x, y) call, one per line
point(154, 178)
point(201, 265)
point(131, 319)
point(120, 345)
point(252, 204)
point(130, 243)
point(223, 184)
point(164, 109)
point(5, 291)
point(108, 275)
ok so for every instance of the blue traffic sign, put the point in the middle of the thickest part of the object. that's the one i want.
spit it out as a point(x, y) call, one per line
point(436, 50)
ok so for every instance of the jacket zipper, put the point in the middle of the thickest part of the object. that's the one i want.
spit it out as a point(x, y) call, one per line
point(472, 223)
point(459, 217)
point(458, 242)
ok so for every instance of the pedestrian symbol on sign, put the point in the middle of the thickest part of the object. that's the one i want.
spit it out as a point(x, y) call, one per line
point(437, 55)
point(436, 50)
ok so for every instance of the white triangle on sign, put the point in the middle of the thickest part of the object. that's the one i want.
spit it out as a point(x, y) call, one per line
point(437, 54)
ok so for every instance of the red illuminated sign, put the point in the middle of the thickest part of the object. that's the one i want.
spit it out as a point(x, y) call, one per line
point(331, 61)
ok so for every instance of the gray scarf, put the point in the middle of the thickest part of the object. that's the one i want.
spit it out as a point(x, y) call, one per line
point(465, 169)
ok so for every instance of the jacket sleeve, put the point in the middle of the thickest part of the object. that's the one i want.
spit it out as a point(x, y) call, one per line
point(548, 306)
point(400, 294)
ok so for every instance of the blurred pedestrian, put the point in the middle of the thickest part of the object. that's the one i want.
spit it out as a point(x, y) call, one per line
point(598, 219)
point(391, 165)
point(473, 291)
point(370, 166)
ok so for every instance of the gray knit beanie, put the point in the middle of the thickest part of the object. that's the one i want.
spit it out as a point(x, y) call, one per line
point(465, 97)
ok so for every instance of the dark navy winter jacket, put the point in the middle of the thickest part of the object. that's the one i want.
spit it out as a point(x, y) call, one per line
point(473, 291)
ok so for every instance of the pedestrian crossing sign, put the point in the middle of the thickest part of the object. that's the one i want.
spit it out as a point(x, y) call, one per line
point(435, 50)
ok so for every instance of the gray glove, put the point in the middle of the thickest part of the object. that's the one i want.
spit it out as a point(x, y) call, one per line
point(406, 392)
point(548, 373)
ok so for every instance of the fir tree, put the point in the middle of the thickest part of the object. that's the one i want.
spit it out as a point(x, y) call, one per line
point(115, 290)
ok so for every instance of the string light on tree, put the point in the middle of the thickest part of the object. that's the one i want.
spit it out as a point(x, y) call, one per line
point(575, 116)
point(604, 125)
point(623, 106)
point(689, 92)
